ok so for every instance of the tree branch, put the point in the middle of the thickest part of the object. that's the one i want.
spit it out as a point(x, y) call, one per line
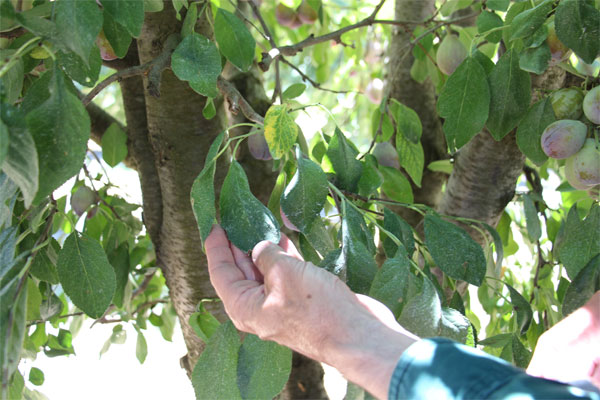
point(236, 101)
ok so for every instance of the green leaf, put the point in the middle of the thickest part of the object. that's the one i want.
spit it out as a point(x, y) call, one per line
point(356, 254)
point(78, 23)
point(390, 285)
point(116, 34)
point(583, 286)
point(529, 133)
point(204, 323)
point(394, 224)
point(581, 240)
point(114, 145)
point(497, 341)
point(347, 168)
point(411, 157)
point(13, 309)
point(444, 166)
point(119, 260)
point(293, 91)
point(79, 71)
point(487, 21)
point(141, 347)
point(129, 13)
point(382, 128)
point(16, 386)
point(534, 230)
point(245, 219)
point(464, 103)
point(522, 309)
point(577, 25)
point(153, 5)
point(86, 275)
point(34, 301)
point(234, 40)
point(454, 251)
point(498, 5)
point(371, 179)
point(408, 123)
point(215, 373)
point(168, 323)
point(422, 311)
point(60, 125)
point(36, 376)
point(202, 195)
point(536, 59)
point(197, 60)
point(527, 22)
point(21, 161)
point(4, 141)
point(305, 195)
point(454, 325)
point(43, 266)
point(510, 89)
point(280, 130)
point(51, 307)
point(189, 22)
point(209, 111)
point(319, 237)
point(263, 368)
point(395, 185)
point(11, 84)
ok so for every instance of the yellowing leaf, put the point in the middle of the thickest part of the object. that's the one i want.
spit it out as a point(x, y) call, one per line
point(280, 130)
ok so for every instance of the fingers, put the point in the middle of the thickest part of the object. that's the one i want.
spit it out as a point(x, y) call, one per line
point(221, 262)
point(288, 246)
point(266, 254)
point(244, 263)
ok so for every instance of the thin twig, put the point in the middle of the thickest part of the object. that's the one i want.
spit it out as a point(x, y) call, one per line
point(311, 81)
point(116, 77)
point(111, 208)
point(236, 101)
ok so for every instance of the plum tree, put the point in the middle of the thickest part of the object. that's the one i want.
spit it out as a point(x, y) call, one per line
point(591, 105)
point(563, 138)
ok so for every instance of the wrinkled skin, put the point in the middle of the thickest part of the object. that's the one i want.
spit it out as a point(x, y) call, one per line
point(562, 139)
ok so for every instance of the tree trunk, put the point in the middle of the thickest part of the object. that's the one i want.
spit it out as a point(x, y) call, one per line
point(419, 97)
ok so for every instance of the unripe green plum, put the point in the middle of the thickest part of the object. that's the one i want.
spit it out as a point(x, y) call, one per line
point(257, 144)
point(106, 51)
point(386, 155)
point(450, 54)
point(586, 163)
point(287, 222)
point(567, 103)
point(82, 199)
point(591, 105)
point(562, 139)
point(40, 53)
point(374, 91)
point(306, 13)
point(571, 177)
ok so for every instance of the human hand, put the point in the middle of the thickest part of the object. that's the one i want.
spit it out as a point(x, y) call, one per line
point(277, 296)
point(570, 350)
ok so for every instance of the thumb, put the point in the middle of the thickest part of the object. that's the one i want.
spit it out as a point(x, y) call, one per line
point(266, 254)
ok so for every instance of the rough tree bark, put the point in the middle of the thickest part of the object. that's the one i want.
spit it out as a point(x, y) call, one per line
point(419, 97)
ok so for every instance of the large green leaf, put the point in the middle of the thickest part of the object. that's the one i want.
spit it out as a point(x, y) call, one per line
point(454, 251)
point(280, 130)
point(13, 310)
point(197, 60)
point(234, 40)
point(422, 311)
point(356, 255)
point(371, 179)
point(577, 25)
point(510, 89)
point(78, 23)
point(464, 103)
point(487, 21)
point(21, 161)
point(527, 22)
point(454, 325)
point(119, 260)
point(263, 368)
point(534, 229)
point(60, 125)
point(114, 145)
point(86, 275)
point(116, 34)
point(84, 73)
point(245, 219)
point(305, 195)
point(529, 133)
point(12, 81)
point(215, 373)
point(395, 185)
point(408, 123)
point(390, 285)
point(522, 309)
point(343, 159)
point(535, 59)
point(202, 194)
point(583, 286)
point(129, 13)
point(411, 156)
point(394, 224)
point(581, 240)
